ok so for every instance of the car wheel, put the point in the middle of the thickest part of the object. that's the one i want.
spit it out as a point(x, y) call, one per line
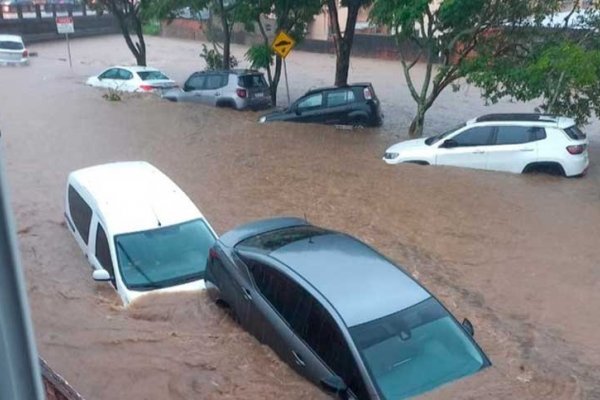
point(360, 123)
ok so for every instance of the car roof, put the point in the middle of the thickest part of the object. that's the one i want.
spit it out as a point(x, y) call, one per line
point(322, 89)
point(357, 281)
point(527, 118)
point(134, 196)
point(135, 68)
point(11, 38)
point(231, 71)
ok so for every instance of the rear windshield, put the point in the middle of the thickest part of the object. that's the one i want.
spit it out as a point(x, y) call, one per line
point(252, 81)
point(271, 241)
point(10, 45)
point(575, 133)
point(152, 75)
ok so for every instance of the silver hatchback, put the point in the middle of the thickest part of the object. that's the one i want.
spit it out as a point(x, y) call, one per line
point(239, 89)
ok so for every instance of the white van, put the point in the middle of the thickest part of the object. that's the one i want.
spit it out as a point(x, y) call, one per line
point(137, 229)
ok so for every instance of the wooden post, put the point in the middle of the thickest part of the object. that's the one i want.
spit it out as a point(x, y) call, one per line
point(38, 11)
point(54, 10)
point(70, 10)
point(19, 11)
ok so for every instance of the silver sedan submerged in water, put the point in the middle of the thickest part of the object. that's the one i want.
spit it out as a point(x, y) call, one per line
point(338, 312)
point(13, 50)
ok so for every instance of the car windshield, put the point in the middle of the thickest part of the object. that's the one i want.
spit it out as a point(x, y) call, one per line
point(252, 81)
point(164, 257)
point(416, 350)
point(10, 45)
point(434, 139)
point(152, 76)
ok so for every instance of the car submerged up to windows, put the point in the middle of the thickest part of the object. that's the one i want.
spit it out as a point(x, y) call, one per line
point(239, 89)
point(132, 79)
point(137, 229)
point(340, 313)
point(515, 143)
point(13, 51)
point(354, 105)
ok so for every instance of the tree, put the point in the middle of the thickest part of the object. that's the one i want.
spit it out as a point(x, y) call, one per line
point(130, 14)
point(557, 63)
point(444, 38)
point(343, 41)
point(292, 17)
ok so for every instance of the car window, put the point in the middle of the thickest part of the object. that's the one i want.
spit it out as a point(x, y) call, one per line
point(340, 97)
point(103, 251)
point(575, 133)
point(125, 75)
point(252, 81)
point(112, 73)
point(478, 136)
point(80, 212)
point(10, 45)
point(517, 134)
point(214, 81)
point(152, 76)
point(310, 321)
point(195, 82)
point(313, 101)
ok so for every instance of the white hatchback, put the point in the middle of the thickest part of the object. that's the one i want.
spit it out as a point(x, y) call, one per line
point(13, 50)
point(137, 229)
point(502, 142)
point(132, 79)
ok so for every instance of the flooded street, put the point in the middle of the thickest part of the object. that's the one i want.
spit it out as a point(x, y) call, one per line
point(518, 255)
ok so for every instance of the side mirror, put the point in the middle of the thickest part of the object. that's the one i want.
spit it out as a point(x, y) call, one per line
point(468, 327)
point(449, 143)
point(336, 385)
point(101, 275)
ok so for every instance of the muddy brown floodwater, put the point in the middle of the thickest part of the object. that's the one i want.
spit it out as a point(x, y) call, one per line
point(518, 255)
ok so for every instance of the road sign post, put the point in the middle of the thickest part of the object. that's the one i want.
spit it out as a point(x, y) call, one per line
point(64, 25)
point(282, 46)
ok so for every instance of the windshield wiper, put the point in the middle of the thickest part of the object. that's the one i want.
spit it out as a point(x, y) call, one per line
point(152, 284)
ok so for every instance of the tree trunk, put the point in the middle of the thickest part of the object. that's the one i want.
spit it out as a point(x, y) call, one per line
point(226, 36)
point(343, 42)
point(416, 126)
point(141, 45)
point(276, 79)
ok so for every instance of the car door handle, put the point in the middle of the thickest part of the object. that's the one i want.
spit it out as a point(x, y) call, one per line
point(246, 293)
point(527, 150)
point(479, 152)
point(217, 94)
point(299, 361)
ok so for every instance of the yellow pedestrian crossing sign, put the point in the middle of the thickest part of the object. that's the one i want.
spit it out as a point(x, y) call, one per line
point(283, 44)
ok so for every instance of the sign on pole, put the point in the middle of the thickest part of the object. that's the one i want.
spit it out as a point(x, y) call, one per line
point(64, 25)
point(282, 46)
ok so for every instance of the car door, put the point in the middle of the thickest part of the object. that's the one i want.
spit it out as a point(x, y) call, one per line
point(109, 79)
point(514, 147)
point(213, 88)
point(125, 81)
point(467, 149)
point(100, 255)
point(192, 88)
point(338, 108)
point(309, 109)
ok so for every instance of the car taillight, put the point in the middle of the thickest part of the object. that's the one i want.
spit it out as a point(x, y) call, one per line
point(147, 88)
point(241, 93)
point(367, 93)
point(25, 53)
point(578, 149)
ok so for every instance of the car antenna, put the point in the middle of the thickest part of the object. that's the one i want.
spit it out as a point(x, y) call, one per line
point(156, 216)
point(307, 223)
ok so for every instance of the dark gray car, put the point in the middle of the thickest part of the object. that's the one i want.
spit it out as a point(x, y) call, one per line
point(338, 312)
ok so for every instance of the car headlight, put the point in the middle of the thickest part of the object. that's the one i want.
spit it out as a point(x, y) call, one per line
point(390, 156)
point(262, 119)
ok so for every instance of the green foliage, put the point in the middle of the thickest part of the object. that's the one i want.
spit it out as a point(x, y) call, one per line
point(214, 59)
point(112, 95)
point(259, 56)
point(151, 27)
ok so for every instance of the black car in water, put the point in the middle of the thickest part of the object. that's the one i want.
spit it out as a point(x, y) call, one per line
point(354, 104)
point(341, 314)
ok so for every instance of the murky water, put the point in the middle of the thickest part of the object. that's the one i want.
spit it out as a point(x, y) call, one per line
point(518, 255)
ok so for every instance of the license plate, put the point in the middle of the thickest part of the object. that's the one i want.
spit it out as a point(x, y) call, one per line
point(258, 95)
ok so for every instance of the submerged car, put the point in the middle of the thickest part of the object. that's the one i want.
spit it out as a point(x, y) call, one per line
point(13, 50)
point(239, 89)
point(355, 105)
point(515, 143)
point(137, 229)
point(338, 312)
point(132, 79)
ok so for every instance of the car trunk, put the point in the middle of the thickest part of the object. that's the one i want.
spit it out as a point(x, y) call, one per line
point(11, 51)
point(159, 86)
point(255, 86)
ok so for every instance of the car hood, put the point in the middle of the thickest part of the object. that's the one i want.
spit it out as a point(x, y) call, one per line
point(407, 145)
point(133, 295)
point(277, 114)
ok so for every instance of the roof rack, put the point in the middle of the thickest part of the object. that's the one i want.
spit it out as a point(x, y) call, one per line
point(532, 117)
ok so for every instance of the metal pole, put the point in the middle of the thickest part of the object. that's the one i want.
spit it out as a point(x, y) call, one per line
point(287, 86)
point(20, 376)
point(69, 50)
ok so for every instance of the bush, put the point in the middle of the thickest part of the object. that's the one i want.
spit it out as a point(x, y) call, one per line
point(151, 27)
point(214, 59)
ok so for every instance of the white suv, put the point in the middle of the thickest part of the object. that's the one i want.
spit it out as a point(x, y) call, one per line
point(502, 142)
